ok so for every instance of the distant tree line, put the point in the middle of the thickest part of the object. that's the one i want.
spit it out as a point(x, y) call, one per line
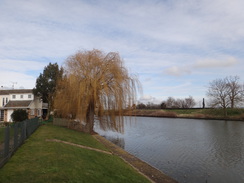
point(169, 103)
point(222, 93)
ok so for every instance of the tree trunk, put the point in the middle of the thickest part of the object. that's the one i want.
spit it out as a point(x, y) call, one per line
point(232, 103)
point(90, 119)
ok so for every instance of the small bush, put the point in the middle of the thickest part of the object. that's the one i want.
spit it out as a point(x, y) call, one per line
point(19, 115)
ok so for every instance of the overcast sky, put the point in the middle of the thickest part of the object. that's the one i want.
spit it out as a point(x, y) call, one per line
point(175, 47)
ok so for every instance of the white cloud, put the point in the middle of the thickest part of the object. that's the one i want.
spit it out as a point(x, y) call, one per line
point(18, 71)
point(211, 63)
point(203, 63)
point(149, 99)
point(183, 38)
point(21, 65)
point(177, 71)
point(8, 78)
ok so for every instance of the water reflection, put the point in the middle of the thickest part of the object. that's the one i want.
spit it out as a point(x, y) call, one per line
point(117, 141)
point(188, 150)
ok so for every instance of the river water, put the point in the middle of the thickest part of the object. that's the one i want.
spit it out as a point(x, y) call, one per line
point(188, 150)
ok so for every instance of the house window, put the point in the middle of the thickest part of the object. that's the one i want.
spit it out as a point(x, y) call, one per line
point(39, 112)
point(2, 115)
point(21, 96)
point(32, 112)
point(6, 100)
point(3, 102)
point(14, 96)
point(29, 96)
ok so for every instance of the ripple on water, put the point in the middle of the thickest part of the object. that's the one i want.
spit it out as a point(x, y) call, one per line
point(188, 150)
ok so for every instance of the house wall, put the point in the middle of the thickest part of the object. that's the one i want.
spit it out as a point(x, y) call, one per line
point(4, 99)
point(8, 113)
point(32, 113)
point(35, 108)
point(36, 103)
point(22, 96)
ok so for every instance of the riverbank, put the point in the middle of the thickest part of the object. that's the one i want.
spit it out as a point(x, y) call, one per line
point(213, 114)
point(144, 168)
point(57, 154)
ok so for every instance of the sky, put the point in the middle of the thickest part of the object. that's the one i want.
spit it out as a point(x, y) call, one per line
point(174, 47)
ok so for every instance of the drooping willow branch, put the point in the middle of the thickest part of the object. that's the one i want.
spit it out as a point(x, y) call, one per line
point(96, 83)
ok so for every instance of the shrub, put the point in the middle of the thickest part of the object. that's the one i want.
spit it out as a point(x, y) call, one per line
point(19, 115)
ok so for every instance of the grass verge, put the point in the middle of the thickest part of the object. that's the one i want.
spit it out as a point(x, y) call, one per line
point(40, 161)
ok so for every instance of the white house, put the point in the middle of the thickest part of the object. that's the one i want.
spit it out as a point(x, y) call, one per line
point(11, 100)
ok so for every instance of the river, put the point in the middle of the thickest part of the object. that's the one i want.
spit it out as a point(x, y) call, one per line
point(188, 150)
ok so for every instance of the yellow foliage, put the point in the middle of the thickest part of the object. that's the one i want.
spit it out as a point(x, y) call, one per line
point(98, 84)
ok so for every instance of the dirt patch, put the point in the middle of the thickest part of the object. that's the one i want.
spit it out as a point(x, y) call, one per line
point(150, 172)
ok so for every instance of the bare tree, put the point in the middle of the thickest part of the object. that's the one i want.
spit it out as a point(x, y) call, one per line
point(235, 90)
point(218, 91)
point(179, 103)
point(170, 102)
point(98, 84)
point(190, 102)
point(225, 92)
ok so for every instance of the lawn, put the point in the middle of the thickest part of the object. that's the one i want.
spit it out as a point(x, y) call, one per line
point(185, 111)
point(40, 161)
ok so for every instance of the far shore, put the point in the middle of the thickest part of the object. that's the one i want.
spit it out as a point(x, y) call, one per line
point(206, 114)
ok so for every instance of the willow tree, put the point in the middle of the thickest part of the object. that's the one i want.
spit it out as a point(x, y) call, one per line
point(96, 84)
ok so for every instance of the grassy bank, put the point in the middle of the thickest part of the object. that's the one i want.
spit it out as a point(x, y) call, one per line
point(232, 114)
point(39, 160)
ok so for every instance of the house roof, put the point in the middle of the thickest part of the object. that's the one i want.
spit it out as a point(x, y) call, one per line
point(19, 104)
point(7, 92)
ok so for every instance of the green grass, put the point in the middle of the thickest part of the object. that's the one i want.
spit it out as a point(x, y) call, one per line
point(185, 111)
point(212, 112)
point(235, 114)
point(220, 112)
point(41, 161)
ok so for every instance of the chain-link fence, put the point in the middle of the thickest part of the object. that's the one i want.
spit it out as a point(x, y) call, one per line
point(13, 136)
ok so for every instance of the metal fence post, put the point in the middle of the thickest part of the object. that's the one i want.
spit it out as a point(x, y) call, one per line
point(22, 131)
point(25, 126)
point(6, 141)
point(15, 135)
